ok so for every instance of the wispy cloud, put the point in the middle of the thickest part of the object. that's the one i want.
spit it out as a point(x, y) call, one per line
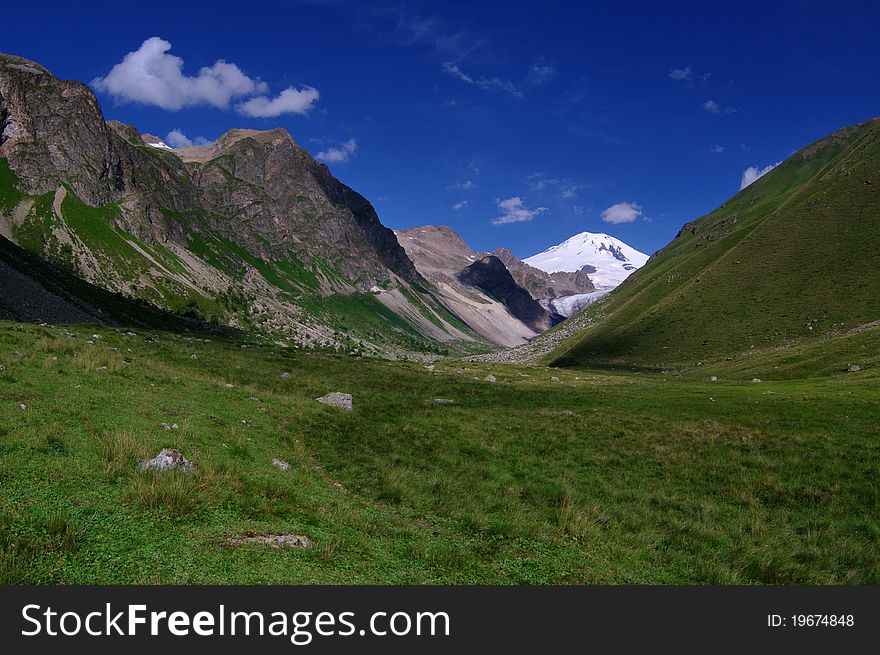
point(490, 83)
point(339, 154)
point(685, 74)
point(458, 185)
point(514, 211)
point(688, 75)
point(622, 212)
point(460, 205)
point(397, 23)
point(540, 73)
point(565, 188)
point(151, 75)
point(717, 150)
point(714, 108)
point(177, 139)
point(752, 173)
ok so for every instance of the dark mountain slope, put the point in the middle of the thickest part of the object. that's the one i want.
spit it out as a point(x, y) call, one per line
point(33, 290)
point(490, 275)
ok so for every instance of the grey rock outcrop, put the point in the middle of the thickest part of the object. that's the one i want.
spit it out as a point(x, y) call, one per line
point(167, 459)
point(337, 399)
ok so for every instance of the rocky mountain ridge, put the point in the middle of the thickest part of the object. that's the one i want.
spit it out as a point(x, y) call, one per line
point(251, 232)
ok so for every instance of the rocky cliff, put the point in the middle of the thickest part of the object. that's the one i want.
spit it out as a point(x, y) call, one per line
point(250, 231)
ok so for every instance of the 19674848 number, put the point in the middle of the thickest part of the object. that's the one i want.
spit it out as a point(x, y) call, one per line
point(811, 621)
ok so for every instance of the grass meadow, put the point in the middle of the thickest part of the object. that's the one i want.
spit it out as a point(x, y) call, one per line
point(600, 476)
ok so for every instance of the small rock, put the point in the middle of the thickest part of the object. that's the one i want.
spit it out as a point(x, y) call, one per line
point(165, 427)
point(193, 356)
point(280, 464)
point(852, 368)
point(22, 407)
point(102, 368)
point(96, 336)
point(490, 378)
point(245, 423)
point(285, 375)
point(714, 378)
point(229, 386)
point(440, 401)
point(2, 368)
point(554, 379)
point(338, 486)
point(168, 459)
point(174, 426)
point(274, 540)
point(756, 380)
point(130, 334)
point(337, 399)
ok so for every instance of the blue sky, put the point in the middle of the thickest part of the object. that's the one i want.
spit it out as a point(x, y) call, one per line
point(519, 124)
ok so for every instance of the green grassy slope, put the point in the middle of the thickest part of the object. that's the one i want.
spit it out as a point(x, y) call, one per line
point(793, 256)
point(617, 477)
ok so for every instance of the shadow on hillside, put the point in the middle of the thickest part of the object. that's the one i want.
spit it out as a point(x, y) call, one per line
point(33, 290)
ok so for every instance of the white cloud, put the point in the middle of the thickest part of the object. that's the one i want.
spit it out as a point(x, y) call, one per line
point(289, 101)
point(752, 173)
point(177, 139)
point(483, 82)
point(151, 76)
point(622, 212)
point(467, 185)
point(515, 211)
point(685, 74)
point(338, 155)
point(714, 108)
point(460, 205)
point(717, 149)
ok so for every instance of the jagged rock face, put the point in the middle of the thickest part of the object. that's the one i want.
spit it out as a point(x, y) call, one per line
point(291, 203)
point(258, 189)
point(491, 275)
point(540, 284)
point(52, 132)
point(438, 251)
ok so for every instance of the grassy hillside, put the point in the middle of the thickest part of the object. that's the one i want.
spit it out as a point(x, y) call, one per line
point(618, 476)
point(796, 255)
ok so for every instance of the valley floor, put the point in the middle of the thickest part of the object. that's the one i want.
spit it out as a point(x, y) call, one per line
point(544, 476)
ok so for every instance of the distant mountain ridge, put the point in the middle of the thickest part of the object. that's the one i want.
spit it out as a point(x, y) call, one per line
point(607, 260)
point(478, 291)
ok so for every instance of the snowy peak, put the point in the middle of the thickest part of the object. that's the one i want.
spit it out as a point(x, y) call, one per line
point(607, 260)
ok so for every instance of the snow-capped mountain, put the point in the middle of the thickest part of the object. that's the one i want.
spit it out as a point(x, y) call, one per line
point(608, 262)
